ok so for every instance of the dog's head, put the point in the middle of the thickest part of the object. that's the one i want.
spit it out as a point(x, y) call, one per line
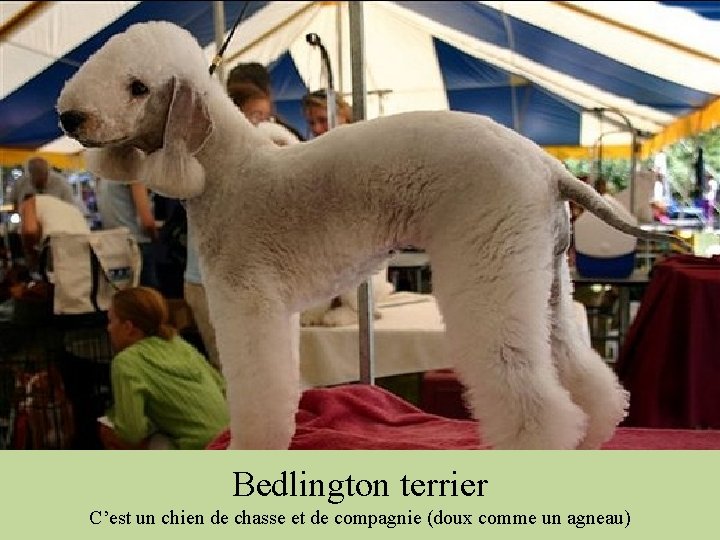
point(141, 102)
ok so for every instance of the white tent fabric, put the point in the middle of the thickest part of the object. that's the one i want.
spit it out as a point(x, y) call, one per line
point(56, 30)
point(649, 48)
point(403, 61)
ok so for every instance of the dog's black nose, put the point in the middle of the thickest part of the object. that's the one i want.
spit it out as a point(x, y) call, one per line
point(72, 120)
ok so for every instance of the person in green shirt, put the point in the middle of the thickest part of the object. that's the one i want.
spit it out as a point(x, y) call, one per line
point(161, 385)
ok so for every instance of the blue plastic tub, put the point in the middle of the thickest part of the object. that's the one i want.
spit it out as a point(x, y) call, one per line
point(605, 267)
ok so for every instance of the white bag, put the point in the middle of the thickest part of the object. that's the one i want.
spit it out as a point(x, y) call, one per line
point(87, 269)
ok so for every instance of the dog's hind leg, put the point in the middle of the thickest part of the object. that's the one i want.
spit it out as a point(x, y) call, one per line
point(258, 345)
point(590, 381)
point(497, 330)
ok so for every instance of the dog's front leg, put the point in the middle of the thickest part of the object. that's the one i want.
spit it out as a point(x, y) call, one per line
point(258, 346)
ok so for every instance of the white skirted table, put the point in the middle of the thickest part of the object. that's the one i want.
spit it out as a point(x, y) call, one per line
point(409, 338)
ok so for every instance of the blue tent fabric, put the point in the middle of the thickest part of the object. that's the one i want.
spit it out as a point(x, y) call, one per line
point(478, 87)
point(288, 90)
point(709, 10)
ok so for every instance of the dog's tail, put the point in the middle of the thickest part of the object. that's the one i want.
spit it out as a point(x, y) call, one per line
point(575, 190)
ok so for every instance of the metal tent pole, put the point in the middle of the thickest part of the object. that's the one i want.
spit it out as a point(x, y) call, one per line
point(633, 166)
point(365, 304)
point(628, 126)
point(339, 36)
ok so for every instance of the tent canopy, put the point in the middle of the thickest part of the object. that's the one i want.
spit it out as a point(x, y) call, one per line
point(567, 75)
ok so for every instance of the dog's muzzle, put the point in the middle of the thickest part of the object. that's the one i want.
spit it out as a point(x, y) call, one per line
point(71, 121)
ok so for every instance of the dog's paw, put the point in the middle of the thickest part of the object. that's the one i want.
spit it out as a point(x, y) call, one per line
point(314, 316)
point(602, 423)
point(555, 424)
point(340, 316)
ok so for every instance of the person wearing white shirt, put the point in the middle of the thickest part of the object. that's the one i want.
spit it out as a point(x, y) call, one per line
point(46, 215)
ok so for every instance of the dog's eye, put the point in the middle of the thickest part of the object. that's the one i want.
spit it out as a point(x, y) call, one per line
point(138, 88)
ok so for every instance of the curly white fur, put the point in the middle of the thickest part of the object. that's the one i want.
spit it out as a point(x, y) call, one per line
point(277, 133)
point(280, 229)
point(341, 310)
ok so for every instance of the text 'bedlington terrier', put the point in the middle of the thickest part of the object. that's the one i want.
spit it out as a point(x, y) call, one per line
point(280, 229)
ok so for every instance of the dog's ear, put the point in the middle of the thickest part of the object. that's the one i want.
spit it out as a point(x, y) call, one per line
point(188, 119)
point(116, 163)
point(173, 170)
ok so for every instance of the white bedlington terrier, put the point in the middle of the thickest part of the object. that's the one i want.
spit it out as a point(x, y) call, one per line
point(280, 229)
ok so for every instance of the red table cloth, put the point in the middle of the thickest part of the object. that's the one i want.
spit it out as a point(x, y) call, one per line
point(361, 417)
point(670, 361)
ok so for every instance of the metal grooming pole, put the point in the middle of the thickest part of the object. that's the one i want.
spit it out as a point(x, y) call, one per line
point(357, 54)
point(365, 296)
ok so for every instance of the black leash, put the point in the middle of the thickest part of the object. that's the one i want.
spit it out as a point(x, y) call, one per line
point(218, 57)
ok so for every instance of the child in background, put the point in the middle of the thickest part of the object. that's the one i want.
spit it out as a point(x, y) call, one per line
point(166, 395)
